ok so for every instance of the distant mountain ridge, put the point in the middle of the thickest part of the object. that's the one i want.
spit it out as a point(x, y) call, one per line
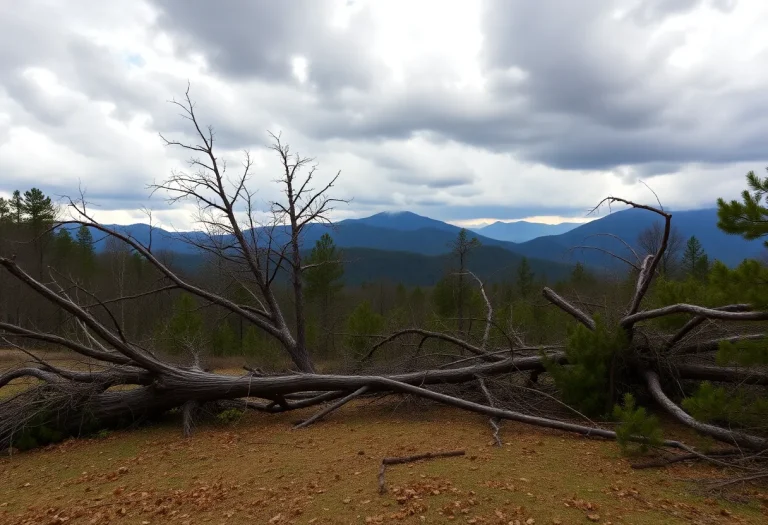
point(522, 231)
point(415, 234)
point(401, 221)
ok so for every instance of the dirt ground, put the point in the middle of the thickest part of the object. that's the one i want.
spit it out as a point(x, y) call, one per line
point(257, 470)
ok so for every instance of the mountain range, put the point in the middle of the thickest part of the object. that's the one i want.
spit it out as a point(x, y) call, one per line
point(407, 247)
point(521, 231)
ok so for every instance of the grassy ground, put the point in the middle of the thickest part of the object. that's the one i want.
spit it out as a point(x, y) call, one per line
point(256, 470)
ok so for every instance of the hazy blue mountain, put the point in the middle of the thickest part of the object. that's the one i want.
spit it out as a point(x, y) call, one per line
point(346, 234)
point(402, 221)
point(408, 232)
point(627, 224)
point(522, 231)
point(158, 238)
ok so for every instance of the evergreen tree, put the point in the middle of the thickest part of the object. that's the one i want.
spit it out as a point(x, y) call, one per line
point(40, 213)
point(400, 315)
point(444, 298)
point(362, 322)
point(525, 278)
point(581, 276)
point(737, 406)
point(39, 210)
point(695, 262)
point(16, 207)
point(85, 250)
point(748, 218)
point(322, 279)
point(418, 303)
point(578, 274)
point(63, 246)
point(586, 382)
point(5, 210)
point(324, 271)
point(185, 328)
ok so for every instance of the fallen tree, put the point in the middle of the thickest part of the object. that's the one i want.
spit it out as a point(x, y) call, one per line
point(126, 383)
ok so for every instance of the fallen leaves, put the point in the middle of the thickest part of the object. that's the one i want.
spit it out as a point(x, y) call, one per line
point(229, 477)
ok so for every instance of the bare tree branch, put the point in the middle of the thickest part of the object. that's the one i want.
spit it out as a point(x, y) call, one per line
point(580, 316)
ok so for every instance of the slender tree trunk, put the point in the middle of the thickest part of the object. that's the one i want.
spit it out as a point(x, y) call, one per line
point(461, 294)
point(325, 320)
point(300, 354)
point(298, 294)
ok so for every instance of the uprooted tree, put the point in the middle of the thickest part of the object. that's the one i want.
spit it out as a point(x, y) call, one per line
point(640, 350)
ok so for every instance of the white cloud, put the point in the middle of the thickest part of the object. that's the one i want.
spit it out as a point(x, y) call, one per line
point(457, 110)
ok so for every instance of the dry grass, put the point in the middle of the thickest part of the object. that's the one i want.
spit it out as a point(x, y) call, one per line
point(257, 470)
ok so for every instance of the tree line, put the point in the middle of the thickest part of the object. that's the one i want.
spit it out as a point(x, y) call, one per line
point(342, 322)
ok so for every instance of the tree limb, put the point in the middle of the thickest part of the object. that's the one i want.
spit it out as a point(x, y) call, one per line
point(564, 305)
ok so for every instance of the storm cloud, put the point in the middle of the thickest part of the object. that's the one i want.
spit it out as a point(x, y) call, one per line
point(479, 109)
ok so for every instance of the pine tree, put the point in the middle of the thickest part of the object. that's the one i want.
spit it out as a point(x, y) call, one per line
point(748, 218)
point(5, 210)
point(63, 246)
point(362, 322)
point(39, 209)
point(85, 250)
point(525, 278)
point(444, 296)
point(16, 206)
point(40, 212)
point(739, 406)
point(578, 274)
point(695, 261)
point(324, 270)
point(185, 328)
point(322, 279)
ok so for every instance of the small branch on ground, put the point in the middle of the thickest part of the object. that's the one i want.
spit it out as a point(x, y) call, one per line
point(411, 459)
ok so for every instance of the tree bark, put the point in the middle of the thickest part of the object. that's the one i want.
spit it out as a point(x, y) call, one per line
point(719, 433)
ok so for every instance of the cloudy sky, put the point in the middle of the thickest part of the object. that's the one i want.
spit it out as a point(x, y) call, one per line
point(459, 110)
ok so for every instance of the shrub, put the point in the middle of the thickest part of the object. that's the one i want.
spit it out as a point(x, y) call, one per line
point(585, 383)
point(362, 322)
point(734, 407)
point(635, 422)
point(229, 416)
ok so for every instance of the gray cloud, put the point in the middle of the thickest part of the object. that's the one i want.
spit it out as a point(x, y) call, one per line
point(572, 95)
point(588, 94)
point(259, 39)
point(436, 181)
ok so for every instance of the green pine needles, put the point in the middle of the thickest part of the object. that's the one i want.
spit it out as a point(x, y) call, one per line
point(592, 356)
point(635, 422)
point(748, 218)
